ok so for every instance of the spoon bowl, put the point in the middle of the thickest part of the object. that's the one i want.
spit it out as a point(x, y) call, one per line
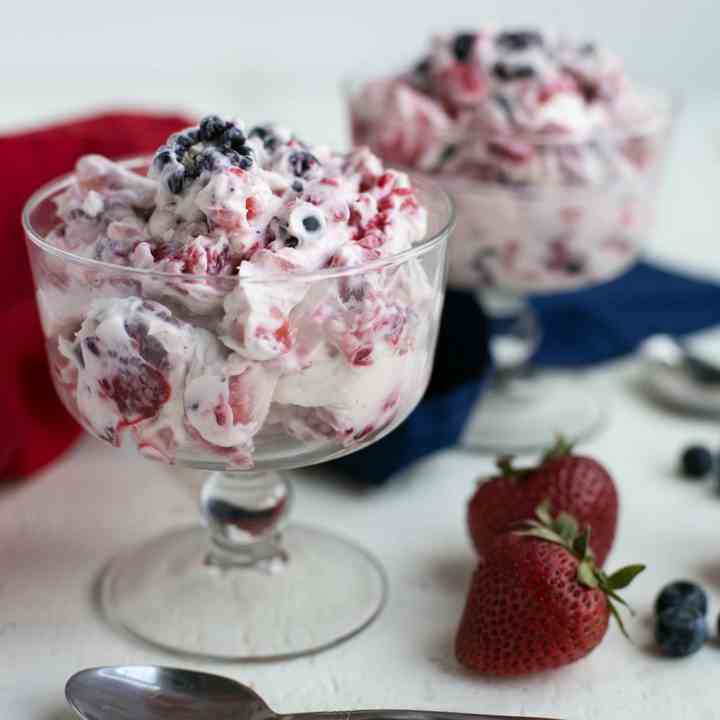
point(149, 692)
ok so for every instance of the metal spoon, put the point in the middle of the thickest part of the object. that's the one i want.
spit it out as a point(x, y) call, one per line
point(149, 692)
point(666, 351)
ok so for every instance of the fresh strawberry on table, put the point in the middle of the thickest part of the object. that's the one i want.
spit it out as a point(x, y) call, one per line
point(574, 484)
point(538, 600)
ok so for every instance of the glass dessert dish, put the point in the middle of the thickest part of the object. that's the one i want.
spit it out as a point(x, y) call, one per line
point(167, 332)
point(553, 159)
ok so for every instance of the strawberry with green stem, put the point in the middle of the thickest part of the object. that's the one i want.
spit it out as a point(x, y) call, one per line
point(539, 600)
point(575, 484)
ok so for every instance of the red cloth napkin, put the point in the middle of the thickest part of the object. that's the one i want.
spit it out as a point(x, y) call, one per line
point(34, 425)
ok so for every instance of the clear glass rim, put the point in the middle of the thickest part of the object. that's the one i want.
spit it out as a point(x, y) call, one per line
point(430, 242)
point(669, 101)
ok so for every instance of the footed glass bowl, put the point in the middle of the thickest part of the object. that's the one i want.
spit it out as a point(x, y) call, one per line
point(534, 217)
point(136, 358)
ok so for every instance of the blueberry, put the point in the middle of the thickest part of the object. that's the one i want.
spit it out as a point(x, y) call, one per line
point(311, 223)
point(518, 40)
point(696, 462)
point(176, 180)
point(463, 45)
point(238, 160)
point(422, 69)
point(680, 631)
point(301, 161)
point(211, 128)
point(506, 72)
point(163, 157)
point(245, 150)
point(91, 343)
point(587, 49)
point(292, 242)
point(682, 593)
point(184, 140)
point(449, 151)
point(233, 156)
point(297, 186)
point(234, 137)
point(259, 131)
point(78, 353)
point(574, 267)
point(265, 134)
point(205, 161)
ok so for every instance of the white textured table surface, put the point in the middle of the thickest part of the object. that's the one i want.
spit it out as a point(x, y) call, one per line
point(58, 530)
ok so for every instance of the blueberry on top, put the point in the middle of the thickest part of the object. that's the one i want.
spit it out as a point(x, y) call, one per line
point(422, 69)
point(518, 40)
point(463, 45)
point(682, 593)
point(311, 223)
point(259, 131)
point(244, 163)
point(587, 49)
point(301, 161)
point(211, 128)
point(696, 462)
point(238, 159)
point(680, 631)
point(205, 161)
point(506, 72)
point(297, 186)
point(234, 137)
point(574, 266)
point(163, 157)
point(176, 180)
point(185, 140)
point(266, 135)
point(214, 144)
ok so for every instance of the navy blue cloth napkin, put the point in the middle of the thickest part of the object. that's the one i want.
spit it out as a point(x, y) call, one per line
point(579, 329)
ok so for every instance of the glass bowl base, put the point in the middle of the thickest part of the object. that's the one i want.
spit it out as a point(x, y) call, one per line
point(166, 592)
point(526, 416)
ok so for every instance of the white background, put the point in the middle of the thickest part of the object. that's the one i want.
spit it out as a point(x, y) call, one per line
point(57, 57)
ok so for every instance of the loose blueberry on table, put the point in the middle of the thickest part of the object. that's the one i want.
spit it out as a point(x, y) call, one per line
point(696, 462)
point(682, 593)
point(680, 631)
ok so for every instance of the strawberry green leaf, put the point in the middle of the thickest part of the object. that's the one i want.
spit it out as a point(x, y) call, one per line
point(543, 533)
point(561, 448)
point(612, 595)
point(543, 512)
point(505, 464)
point(586, 574)
point(618, 619)
point(581, 546)
point(624, 576)
point(567, 527)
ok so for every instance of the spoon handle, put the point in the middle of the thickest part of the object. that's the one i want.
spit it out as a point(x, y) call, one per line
point(400, 715)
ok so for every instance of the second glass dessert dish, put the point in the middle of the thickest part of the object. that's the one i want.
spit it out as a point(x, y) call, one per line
point(553, 158)
point(243, 304)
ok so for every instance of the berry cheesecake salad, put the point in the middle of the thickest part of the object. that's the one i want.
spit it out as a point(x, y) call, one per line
point(241, 298)
point(549, 149)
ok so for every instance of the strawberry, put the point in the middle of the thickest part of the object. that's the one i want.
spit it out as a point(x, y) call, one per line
point(574, 484)
point(538, 601)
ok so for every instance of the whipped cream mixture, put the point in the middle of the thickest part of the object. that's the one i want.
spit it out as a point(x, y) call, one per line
point(227, 334)
point(527, 115)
